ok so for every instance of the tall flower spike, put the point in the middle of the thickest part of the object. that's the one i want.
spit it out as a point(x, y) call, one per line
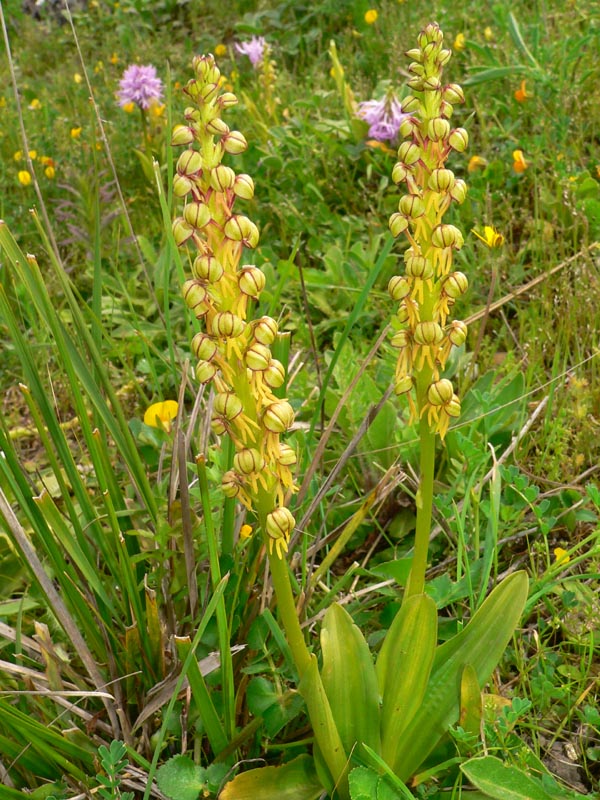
point(233, 352)
point(429, 287)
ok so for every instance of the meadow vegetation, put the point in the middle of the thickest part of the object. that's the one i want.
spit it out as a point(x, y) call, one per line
point(186, 598)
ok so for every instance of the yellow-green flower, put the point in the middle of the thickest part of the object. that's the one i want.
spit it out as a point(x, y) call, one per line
point(76, 132)
point(561, 557)
point(460, 42)
point(488, 34)
point(18, 155)
point(160, 415)
point(221, 50)
point(49, 172)
point(77, 78)
point(24, 177)
point(491, 237)
point(35, 105)
point(371, 16)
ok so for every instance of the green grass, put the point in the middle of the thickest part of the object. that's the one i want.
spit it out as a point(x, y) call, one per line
point(110, 578)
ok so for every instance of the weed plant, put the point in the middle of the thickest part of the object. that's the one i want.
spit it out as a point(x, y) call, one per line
point(144, 643)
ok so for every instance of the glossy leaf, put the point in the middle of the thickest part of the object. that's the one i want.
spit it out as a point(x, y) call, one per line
point(502, 782)
point(296, 780)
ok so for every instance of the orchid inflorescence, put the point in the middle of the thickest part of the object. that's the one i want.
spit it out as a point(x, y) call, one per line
point(429, 286)
point(233, 352)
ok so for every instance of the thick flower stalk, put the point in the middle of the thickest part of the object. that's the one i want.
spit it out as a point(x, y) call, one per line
point(429, 286)
point(233, 351)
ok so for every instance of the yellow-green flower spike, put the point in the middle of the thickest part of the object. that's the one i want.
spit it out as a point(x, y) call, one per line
point(428, 287)
point(234, 353)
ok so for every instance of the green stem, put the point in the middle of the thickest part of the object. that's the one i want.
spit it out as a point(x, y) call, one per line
point(416, 580)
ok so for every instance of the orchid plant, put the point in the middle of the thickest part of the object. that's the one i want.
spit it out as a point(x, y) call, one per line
point(389, 714)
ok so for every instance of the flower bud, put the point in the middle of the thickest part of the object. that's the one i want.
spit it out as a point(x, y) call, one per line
point(416, 69)
point(415, 54)
point(428, 333)
point(234, 143)
point(207, 268)
point(197, 215)
point(287, 455)
point(208, 93)
point(411, 205)
point(415, 83)
point(409, 153)
point(408, 127)
point(216, 127)
point(446, 109)
point(205, 371)
point(402, 313)
point(244, 187)
point(399, 172)
point(280, 523)
point(410, 104)
point(257, 357)
point(182, 185)
point(227, 325)
point(398, 287)
point(447, 236)
point(398, 224)
point(230, 483)
point(274, 375)
point(227, 100)
point(459, 140)
point(457, 333)
point(278, 416)
point(401, 339)
point(222, 178)
point(419, 267)
point(441, 180)
point(265, 330)
point(453, 93)
point(189, 163)
point(455, 285)
point(438, 129)
point(240, 229)
point(453, 407)
point(248, 460)
point(217, 426)
point(182, 231)
point(440, 392)
point(251, 281)
point(403, 385)
point(195, 296)
point(432, 84)
point(204, 347)
point(227, 405)
point(181, 135)
point(444, 57)
point(459, 191)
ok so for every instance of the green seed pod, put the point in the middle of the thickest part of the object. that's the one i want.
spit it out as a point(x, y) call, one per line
point(227, 405)
point(428, 334)
point(447, 236)
point(244, 187)
point(265, 330)
point(207, 268)
point(234, 143)
point(278, 416)
point(438, 129)
point(182, 185)
point(411, 205)
point(197, 215)
point(398, 224)
point(455, 285)
point(222, 178)
point(440, 392)
point(240, 229)
point(274, 375)
point(227, 325)
point(457, 333)
point(399, 287)
point(441, 180)
point(419, 267)
point(205, 371)
point(459, 140)
point(287, 455)
point(204, 347)
point(182, 231)
point(189, 163)
point(257, 357)
point(181, 135)
point(248, 460)
point(280, 523)
point(409, 153)
point(251, 281)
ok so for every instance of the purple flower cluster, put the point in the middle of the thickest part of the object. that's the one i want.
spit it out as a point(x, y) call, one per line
point(140, 85)
point(383, 116)
point(254, 49)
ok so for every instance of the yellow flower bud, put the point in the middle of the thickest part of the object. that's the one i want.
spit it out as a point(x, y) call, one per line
point(240, 229)
point(438, 129)
point(257, 357)
point(227, 325)
point(231, 483)
point(207, 268)
point(440, 392)
point(410, 104)
point(222, 178)
point(441, 180)
point(182, 231)
point(411, 205)
point(278, 416)
point(287, 455)
point(409, 153)
point(182, 135)
point(419, 267)
point(398, 287)
point(248, 460)
point(189, 163)
point(459, 140)
point(234, 143)
point(274, 375)
point(265, 330)
point(197, 215)
point(398, 224)
point(403, 385)
point(227, 100)
point(195, 296)
point(279, 524)
point(204, 347)
point(428, 333)
point(205, 371)
point(182, 185)
point(459, 191)
point(216, 127)
point(251, 281)
point(453, 93)
point(244, 187)
point(455, 285)
point(401, 339)
point(399, 172)
point(227, 405)
point(457, 333)
point(447, 236)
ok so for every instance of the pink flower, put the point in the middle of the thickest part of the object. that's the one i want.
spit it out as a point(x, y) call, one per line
point(254, 49)
point(140, 85)
point(383, 116)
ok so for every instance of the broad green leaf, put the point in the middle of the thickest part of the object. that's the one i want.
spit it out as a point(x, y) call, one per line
point(503, 782)
point(296, 780)
point(180, 779)
point(403, 669)
point(349, 680)
point(471, 707)
point(480, 644)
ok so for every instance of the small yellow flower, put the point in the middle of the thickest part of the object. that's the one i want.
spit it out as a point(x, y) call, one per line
point(49, 171)
point(77, 78)
point(246, 531)
point(114, 59)
point(18, 155)
point(33, 155)
point(24, 177)
point(460, 42)
point(522, 94)
point(75, 133)
point(371, 16)
point(159, 415)
point(46, 161)
point(99, 67)
point(220, 50)
point(488, 34)
point(520, 164)
point(157, 109)
point(128, 107)
point(35, 105)
point(561, 556)
point(491, 237)
point(2, 102)
point(377, 145)
point(234, 75)
point(476, 162)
